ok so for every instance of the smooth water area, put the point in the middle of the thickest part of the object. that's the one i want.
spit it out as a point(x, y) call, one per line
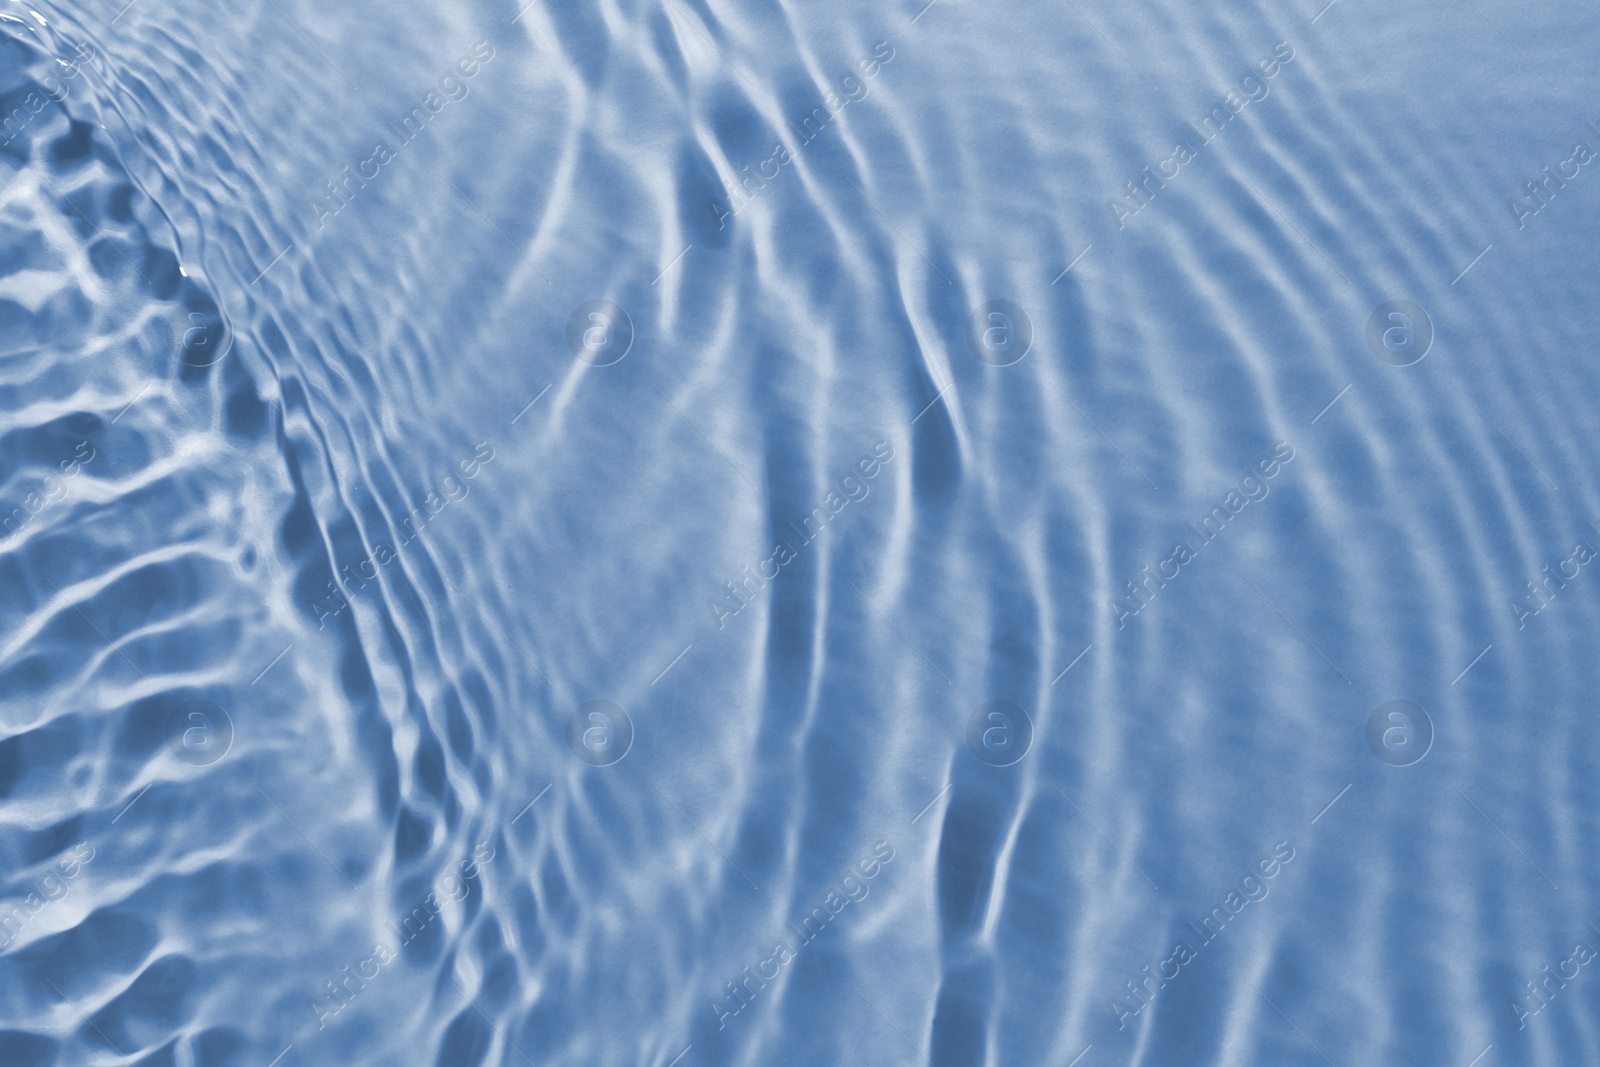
point(677, 534)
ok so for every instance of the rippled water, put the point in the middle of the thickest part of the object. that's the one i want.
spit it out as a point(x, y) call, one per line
point(673, 533)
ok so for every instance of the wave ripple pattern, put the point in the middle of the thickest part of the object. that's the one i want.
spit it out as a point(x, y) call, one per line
point(672, 533)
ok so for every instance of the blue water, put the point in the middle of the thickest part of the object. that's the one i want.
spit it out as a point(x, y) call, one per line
point(677, 534)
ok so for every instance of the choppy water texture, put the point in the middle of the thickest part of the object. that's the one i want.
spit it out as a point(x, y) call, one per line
point(678, 533)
